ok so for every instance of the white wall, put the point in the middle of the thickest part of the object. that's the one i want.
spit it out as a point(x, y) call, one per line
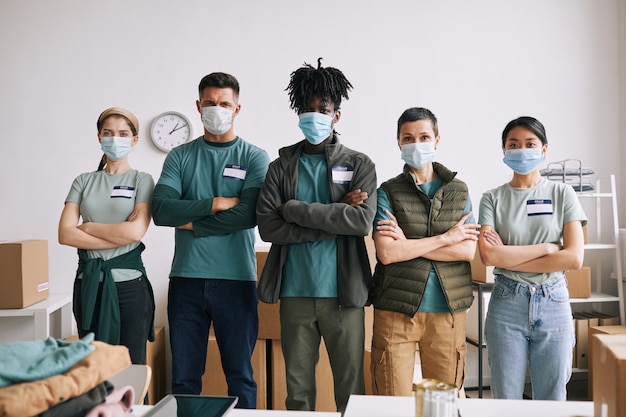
point(476, 64)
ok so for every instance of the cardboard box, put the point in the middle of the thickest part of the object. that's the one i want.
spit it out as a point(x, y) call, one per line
point(592, 318)
point(214, 380)
point(367, 371)
point(481, 272)
point(609, 374)
point(581, 326)
point(369, 326)
point(606, 319)
point(23, 273)
point(594, 330)
point(579, 282)
point(155, 359)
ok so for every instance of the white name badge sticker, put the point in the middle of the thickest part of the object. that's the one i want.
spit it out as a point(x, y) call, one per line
point(235, 171)
point(539, 207)
point(122, 191)
point(342, 175)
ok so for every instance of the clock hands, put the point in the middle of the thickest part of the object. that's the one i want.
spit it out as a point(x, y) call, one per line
point(177, 127)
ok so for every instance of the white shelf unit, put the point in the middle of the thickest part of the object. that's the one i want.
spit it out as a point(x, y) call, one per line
point(601, 198)
point(45, 316)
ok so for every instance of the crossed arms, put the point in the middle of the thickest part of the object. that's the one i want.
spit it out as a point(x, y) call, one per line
point(96, 236)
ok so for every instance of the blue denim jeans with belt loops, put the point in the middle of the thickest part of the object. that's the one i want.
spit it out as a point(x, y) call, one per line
point(529, 327)
point(194, 304)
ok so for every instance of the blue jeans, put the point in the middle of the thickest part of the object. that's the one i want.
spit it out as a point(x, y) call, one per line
point(193, 304)
point(529, 325)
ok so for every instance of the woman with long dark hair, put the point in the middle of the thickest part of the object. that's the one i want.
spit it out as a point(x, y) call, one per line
point(531, 232)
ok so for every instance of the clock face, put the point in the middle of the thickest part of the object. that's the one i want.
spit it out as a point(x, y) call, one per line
point(169, 130)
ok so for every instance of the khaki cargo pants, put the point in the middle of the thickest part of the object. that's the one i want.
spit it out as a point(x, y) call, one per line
point(442, 348)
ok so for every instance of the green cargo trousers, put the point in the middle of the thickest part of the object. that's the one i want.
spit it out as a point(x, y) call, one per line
point(304, 322)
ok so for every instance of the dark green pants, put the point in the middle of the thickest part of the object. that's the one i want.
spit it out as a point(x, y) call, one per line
point(304, 321)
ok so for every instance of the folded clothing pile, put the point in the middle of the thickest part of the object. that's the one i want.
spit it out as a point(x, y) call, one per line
point(52, 378)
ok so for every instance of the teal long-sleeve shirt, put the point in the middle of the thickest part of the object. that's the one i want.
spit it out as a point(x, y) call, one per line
point(193, 175)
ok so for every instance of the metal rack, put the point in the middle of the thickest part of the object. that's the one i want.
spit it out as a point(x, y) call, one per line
point(597, 295)
point(479, 341)
point(569, 171)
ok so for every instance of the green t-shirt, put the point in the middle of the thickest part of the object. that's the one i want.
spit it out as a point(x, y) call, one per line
point(433, 300)
point(111, 198)
point(311, 267)
point(201, 170)
point(528, 216)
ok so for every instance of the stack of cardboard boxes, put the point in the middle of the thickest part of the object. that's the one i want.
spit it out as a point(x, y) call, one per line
point(584, 322)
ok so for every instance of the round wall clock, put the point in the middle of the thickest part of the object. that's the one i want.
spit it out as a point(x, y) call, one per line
point(170, 129)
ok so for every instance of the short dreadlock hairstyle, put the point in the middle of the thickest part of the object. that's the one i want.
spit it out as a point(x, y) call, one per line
point(326, 83)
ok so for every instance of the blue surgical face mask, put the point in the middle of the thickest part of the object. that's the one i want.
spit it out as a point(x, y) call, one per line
point(523, 160)
point(217, 120)
point(418, 154)
point(316, 126)
point(116, 147)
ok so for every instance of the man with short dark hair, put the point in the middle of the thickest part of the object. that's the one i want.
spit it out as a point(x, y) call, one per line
point(316, 205)
point(208, 191)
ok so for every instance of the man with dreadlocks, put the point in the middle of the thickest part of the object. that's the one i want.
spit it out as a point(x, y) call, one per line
point(315, 207)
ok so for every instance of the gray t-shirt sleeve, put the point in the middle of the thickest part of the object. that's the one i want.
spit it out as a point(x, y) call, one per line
point(572, 209)
point(76, 190)
point(144, 188)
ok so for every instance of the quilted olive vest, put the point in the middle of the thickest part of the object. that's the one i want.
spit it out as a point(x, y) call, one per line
point(400, 286)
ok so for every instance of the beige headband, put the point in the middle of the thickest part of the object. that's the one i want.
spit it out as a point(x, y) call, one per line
point(120, 112)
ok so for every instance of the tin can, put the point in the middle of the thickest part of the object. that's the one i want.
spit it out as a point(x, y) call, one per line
point(419, 389)
point(435, 399)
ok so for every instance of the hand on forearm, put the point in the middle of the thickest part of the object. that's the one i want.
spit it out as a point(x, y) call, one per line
point(133, 216)
point(239, 214)
point(187, 226)
point(462, 231)
point(354, 197)
point(223, 203)
point(389, 227)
